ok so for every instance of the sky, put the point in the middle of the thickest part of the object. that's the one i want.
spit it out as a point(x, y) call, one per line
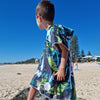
point(21, 39)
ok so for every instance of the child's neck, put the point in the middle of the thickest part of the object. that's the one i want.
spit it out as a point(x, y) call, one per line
point(48, 24)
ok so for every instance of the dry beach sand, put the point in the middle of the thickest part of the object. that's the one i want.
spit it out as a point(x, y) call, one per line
point(16, 77)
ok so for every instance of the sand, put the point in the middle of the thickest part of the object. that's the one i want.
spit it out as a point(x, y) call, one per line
point(87, 80)
point(16, 77)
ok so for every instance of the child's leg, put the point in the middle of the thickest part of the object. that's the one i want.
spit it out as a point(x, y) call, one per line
point(32, 93)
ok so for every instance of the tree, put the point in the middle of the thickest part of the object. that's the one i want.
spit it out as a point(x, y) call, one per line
point(74, 48)
point(82, 53)
point(89, 53)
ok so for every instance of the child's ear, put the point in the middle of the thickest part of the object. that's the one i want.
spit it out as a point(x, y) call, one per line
point(40, 18)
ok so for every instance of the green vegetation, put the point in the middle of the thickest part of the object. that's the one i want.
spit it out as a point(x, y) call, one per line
point(29, 61)
point(74, 48)
point(82, 53)
point(98, 60)
point(76, 55)
point(26, 62)
point(88, 59)
point(89, 53)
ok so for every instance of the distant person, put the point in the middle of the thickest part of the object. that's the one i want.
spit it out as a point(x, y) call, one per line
point(76, 66)
point(55, 67)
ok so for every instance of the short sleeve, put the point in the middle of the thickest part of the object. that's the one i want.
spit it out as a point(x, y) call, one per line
point(60, 35)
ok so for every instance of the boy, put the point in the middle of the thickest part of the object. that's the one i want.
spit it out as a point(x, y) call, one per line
point(54, 69)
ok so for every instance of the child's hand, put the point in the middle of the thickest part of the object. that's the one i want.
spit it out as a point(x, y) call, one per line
point(60, 74)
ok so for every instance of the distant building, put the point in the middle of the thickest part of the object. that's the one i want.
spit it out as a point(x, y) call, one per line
point(96, 58)
point(91, 58)
point(86, 57)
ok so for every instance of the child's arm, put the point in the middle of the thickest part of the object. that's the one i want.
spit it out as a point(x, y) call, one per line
point(64, 56)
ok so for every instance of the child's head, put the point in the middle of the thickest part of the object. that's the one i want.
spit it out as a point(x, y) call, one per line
point(44, 12)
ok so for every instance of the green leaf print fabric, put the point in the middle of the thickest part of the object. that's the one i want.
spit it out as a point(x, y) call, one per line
point(43, 80)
